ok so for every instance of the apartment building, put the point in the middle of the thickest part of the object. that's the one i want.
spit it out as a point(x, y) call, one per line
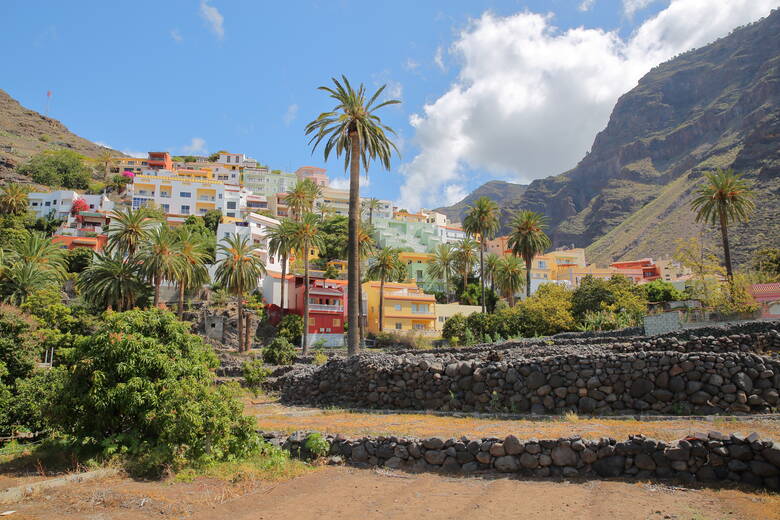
point(314, 174)
point(406, 308)
point(337, 201)
point(128, 164)
point(177, 194)
point(59, 203)
point(262, 181)
point(327, 308)
point(255, 228)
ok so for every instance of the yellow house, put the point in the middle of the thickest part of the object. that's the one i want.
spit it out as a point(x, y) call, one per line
point(406, 308)
point(339, 265)
point(445, 311)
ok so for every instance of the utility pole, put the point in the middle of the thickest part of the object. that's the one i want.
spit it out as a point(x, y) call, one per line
point(48, 99)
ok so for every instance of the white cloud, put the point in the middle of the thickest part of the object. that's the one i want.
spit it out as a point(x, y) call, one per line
point(438, 58)
point(530, 98)
point(131, 153)
point(632, 6)
point(104, 145)
point(342, 183)
point(394, 90)
point(176, 36)
point(196, 147)
point(290, 115)
point(213, 18)
point(411, 64)
point(454, 193)
point(586, 5)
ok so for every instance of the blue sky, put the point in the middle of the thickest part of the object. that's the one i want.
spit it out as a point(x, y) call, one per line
point(195, 76)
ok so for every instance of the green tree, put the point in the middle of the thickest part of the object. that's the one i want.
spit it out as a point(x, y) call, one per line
point(353, 129)
point(767, 262)
point(64, 168)
point(103, 162)
point(509, 277)
point(281, 246)
point(78, 259)
point(193, 274)
point(547, 312)
point(661, 291)
point(335, 235)
point(386, 266)
point(29, 264)
point(704, 265)
point(129, 228)
point(618, 294)
point(142, 385)
point(20, 344)
point(465, 258)
point(301, 198)
point(492, 261)
point(482, 221)
point(443, 265)
point(160, 258)
point(211, 219)
point(112, 282)
point(13, 200)
point(306, 235)
point(528, 239)
point(724, 198)
point(370, 206)
point(237, 272)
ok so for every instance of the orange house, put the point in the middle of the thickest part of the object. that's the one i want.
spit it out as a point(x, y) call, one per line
point(96, 243)
point(650, 271)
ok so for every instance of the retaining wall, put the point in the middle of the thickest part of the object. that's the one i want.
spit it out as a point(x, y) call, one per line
point(704, 457)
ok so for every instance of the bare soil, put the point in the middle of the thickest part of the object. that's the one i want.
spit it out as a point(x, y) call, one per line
point(350, 493)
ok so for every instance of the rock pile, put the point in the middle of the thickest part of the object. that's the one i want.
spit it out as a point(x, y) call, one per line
point(702, 457)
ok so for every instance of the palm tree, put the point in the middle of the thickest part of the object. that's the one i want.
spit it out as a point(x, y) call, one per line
point(128, 229)
point(104, 159)
point(465, 258)
point(725, 197)
point(386, 265)
point(13, 200)
point(21, 279)
point(280, 245)
point(307, 234)
point(326, 210)
point(301, 198)
point(38, 250)
point(482, 221)
point(194, 253)
point(528, 239)
point(160, 258)
point(111, 281)
point(491, 267)
point(238, 272)
point(509, 276)
point(353, 129)
point(371, 205)
point(443, 265)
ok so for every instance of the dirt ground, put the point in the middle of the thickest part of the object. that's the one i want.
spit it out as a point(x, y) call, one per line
point(272, 416)
point(350, 493)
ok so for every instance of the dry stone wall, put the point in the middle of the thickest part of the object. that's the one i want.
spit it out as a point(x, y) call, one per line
point(663, 375)
point(703, 457)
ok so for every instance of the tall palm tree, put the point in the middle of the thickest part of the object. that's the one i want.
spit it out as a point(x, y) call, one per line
point(491, 267)
point(194, 252)
point(465, 258)
point(509, 277)
point(237, 272)
point(307, 234)
point(128, 229)
point(160, 258)
point(724, 198)
point(13, 200)
point(443, 265)
point(280, 245)
point(104, 160)
point(326, 210)
point(111, 281)
point(371, 205)
point(386, 266)
point(528, 239)
point(21, 279)
point(367, 247)
point(38, 250)
point(301, 198)
point(353, 129)
point(482, 221)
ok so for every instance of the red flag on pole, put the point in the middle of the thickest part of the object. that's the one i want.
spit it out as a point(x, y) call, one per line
point(48, 93)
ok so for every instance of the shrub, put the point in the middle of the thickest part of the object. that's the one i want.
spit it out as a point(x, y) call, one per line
point(279, 352)
point(64, 168)
point(142, 386)
point(316, 445)
point(454, 327)
point(290, 328)
point(320, 358)
point(618, 294)
point(78, 259)
point(255, 374)
point(545, 313)
point(20, 347)
point(661, 291)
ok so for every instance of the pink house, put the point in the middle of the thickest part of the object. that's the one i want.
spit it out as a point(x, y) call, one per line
point(768, 296)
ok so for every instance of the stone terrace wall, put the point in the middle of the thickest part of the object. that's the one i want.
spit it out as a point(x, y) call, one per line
point(711, 457)
point(704, 375)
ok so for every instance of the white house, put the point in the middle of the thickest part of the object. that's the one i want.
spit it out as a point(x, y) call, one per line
point(59, 203)
point(255, 227)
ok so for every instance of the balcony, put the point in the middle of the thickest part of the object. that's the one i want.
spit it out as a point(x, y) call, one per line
point(204, 198)
point(326, 308)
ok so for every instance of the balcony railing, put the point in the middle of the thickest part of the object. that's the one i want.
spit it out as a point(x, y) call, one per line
point(327, 308)
point(203, 198)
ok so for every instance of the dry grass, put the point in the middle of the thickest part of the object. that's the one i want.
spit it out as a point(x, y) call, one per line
point(272, 416)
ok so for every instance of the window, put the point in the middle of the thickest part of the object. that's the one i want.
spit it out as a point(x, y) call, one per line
point(185, 210)
point(442, 319)
point(231, 204)
point(185, 195)
point(398, 326)
point(34, 204)
point(47, 203)
point(420, 308)
point(337, 322)
point(398, 306)
point(165, 207)
point(418, 326)
point(231, 214)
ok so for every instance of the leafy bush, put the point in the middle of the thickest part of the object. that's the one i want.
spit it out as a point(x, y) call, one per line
point(317, 445)
point(290, 328)
point(64, 168)
point(661, 291)
point(320, 358)
point(473, 293)
point(279, 352)
point(142, 386)
point(20, 345)
point(618, 295)
point(78, 259)
point(454, 328)
point(545, 313)
point(408, 340)
point(255, 374)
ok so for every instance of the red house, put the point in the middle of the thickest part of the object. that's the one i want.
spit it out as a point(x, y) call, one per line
point(327, 308)
point(650, 271)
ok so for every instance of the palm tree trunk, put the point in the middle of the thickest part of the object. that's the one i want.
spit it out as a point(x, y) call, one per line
point(724, 233)
point(482, 273)
point(353, 256)
point(157, 283)
point(305, 335)
point(370, 216)
point(284, 279)
point(465, 279)
point(447, 286)
point(240, 322)
point(528, 278)
point(180, 310)
point(381, 303)
point(248, 331)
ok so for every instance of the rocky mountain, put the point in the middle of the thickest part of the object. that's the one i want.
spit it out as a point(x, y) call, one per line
point(25, 132)
point(500, 191)
point(713, 107)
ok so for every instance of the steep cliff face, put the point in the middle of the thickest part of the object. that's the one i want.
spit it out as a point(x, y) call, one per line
point(714, 107)
point(501, 191)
